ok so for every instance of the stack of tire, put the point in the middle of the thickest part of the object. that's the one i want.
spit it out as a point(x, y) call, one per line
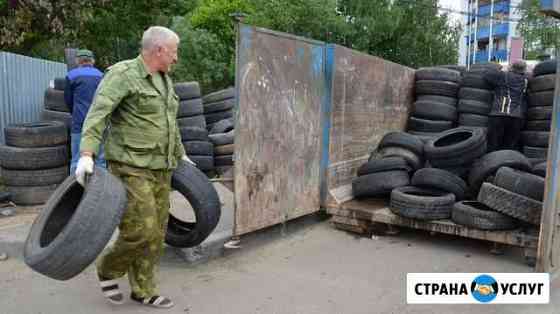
point(475, 99)
point(218, 106)
point(192, 125)
point(222, 136)
point(34, 160)
point(55, 108)
point(436, 99)
point(539, 113)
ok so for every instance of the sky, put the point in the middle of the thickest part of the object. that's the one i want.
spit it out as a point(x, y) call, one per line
point(452, 4)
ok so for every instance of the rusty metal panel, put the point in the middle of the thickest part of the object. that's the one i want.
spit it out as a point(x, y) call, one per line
point(280, 86)
point(370, 97)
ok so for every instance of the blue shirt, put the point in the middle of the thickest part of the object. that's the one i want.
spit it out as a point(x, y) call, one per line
point(81, 84)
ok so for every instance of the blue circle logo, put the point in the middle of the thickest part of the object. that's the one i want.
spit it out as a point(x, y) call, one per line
point(484, 288)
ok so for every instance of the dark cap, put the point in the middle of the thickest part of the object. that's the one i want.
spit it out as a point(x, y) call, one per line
point(518, 67)
point(84, 53)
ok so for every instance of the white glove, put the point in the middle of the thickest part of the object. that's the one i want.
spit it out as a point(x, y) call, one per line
point(185, 158)
point(85, 166)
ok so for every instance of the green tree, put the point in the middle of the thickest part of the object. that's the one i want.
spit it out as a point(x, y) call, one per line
point(538, 30)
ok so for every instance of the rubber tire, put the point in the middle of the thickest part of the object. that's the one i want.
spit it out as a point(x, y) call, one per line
point(60, 83)
point(413, 160)
point(511, 204)
point(458, 146)
point(538, 125)
point(74, 227)
point(434, 111)
point(219, 95)
point(224, 160)
point(440, 99)
point(542, 83)
point(218, 106)
point(479, 216)
point(535, 138)
point(473, 80)
point(34, 177)
point(222, 138)
point(37, 134)
point(520, 182)
point(202, 196)
point(540, 169)
point(545, 67)
point(379, 183)
point(193, 134)
point(424, 136)
point(541, 99)
point(5, 196)
point(539, 113)
point(429, 205)
point(403, 140)
point(481, 95)
point(17, 158)
point(441, 88)
point(189, 108)
point(474, 107)
point(383, 165)
point(462, 171)
point(199, 148)
point(54, 100)
point(442, 180)
point(218, 116)
point(535, 152)
point(438, 74)
point(64, 117)
point(187, 90)
point(222, 126)
point(488, 164)
point(204, 163)
point(424, 125)
point(194, 121)
point(474, 120)
point(31, 195)
point(221, 150)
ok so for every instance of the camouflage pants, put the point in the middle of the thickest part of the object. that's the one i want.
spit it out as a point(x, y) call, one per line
point(142, 229)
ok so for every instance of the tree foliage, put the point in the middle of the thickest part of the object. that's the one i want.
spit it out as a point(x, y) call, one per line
point(538, 30)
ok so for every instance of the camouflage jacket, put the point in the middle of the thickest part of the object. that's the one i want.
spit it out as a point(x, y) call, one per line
point(140, 120)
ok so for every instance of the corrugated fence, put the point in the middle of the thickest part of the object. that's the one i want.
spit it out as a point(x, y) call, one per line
point(23, 81)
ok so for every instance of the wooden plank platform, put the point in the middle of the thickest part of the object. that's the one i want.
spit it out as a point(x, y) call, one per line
point(357, 215)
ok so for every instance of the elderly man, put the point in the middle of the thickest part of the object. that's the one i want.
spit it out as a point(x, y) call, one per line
point(509, 107)
point(142, 147)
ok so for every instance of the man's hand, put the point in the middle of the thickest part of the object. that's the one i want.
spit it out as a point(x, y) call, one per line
point(85, 166)
point(185, 158)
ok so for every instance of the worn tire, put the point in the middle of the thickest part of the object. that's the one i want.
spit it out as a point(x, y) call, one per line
point(540, 169)
point(54, 100)
point(403, 140)
point(423, 136)
point(474, 107)
point(424, 125)
point(194, 121)
point(539, 113)
point(439, 179)
point(193, 134)
point(413, 160)
point(488, 164)
point(511, 204)
point(455, 147)
point(34, 177)
point(75, 226)
point(419, 203)
point(31, 195)
point(475, 120)
point(440, 99)
point(520, 182)
point(538, 125)
point(202, 196)
point(434, 111)
point(535, 138)
point(545, 67)
point(222, 126)
point(222, 138)
point(218, 106)
point(383, 165)
point(218, 116)
point(203, 162)
point(473, 80)
point(60, 83)
point(441, 88)
point(479, 216)
point(535, 152)
point(199, 148)
point(64, 117)
point(37, 134)
point(228, 149)
point(189, 108)
point(224, 160)
point(437, 74)
point(481, 95)
point(17, 158)
point(541, 99)
point(542, 83)
point(219, 95)
point(187, 90)
point(379, 183)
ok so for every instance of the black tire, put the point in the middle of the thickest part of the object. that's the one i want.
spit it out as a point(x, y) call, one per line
point(542, 83)
point(545, 67)
point(187, 90)
point(219, 95)
point(455, 147)
point(460, 171)
point(538, 125)
point(218, 116)
point(535, 152)
point(491, 162)
point(34, 177)
point(440, 99)
point(479, 216)
point(189, 108)
point(403, 140)
point(434, 111)
point(511, 204)
point(541, 99)
point(31, 195)
point(432, 126)
point(535, 161)
point(539, 113)
point(218, 106)
point(60, 83)
point(440, 88)
point(5, 196)
point(54, 100)
point(424, 136)
point(438, 74)
point(419, 203)
point(474, 107)
point(222, 138)
point(75, 226)
point(17, 158)
point(535, 138)
point(540, 169)
point(476, 94)
point(439, 179)
point(64, 117)
point(520, 182)
point(379, 183)
point(37, 134)
point(199, 148)
point(221, 150)
point(194, 121)
point(202, 196)
point(204, 163)
point(459, 68)
point(383, 165)
point(222, 126)
point(193, 134)
point(224, 160)
point(413, 160)
point(469, 119)
point(473, 80)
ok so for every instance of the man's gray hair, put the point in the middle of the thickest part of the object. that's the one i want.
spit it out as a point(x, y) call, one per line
point(156, 36)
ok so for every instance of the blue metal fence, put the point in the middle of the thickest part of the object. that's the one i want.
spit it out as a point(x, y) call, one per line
point(23, 81)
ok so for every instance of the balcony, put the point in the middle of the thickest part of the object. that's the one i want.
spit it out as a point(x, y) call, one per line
point(484, 10)
point(499, 30)
point(482, 56)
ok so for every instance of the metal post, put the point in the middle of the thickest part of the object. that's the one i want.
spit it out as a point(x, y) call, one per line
point(475, 46)
point(469, 30)
point(491, 36)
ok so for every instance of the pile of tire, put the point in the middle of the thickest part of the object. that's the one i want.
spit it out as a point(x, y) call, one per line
point(55, 108)
point(34, 160)
point(436, 99)
point(192, 126)
point(218, 106)
point(475, 98)
point(539, 113)
point(222, 136)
